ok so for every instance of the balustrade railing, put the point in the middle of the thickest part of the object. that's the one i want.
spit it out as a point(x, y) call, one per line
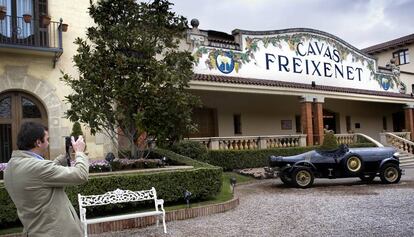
point(350, 138)
point(274, 141)
point(398, 142)
point(353, 138)
point(252, 142)
point(405, 135)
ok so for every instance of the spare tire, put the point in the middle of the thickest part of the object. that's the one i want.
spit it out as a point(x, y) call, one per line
point(353, 165)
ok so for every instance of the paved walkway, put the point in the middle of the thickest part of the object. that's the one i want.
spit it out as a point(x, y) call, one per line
point(342, 207)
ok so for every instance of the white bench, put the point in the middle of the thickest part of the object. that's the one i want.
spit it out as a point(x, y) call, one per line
point(120, 196)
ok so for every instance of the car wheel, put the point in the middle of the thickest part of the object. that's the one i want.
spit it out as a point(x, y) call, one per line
point(286, 179)
point(302, 177)
point(367, 177)
point(390, 173)
point(353, 164)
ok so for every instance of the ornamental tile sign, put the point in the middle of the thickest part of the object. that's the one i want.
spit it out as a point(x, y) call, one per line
point(299, 57)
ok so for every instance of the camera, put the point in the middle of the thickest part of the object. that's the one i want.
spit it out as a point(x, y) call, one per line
point(68, 145)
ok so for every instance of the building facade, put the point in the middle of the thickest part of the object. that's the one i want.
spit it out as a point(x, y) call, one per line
point(298, 81)
point(32, 54)
point(251, 83)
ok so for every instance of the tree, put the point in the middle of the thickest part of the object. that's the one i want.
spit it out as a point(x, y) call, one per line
point(132, 76)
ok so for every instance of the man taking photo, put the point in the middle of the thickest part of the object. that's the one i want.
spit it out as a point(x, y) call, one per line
point(36, 185)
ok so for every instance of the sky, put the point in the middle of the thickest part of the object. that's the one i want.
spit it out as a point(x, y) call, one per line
point(362, 23)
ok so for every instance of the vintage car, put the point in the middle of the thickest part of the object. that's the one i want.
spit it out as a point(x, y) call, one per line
point(365, 163)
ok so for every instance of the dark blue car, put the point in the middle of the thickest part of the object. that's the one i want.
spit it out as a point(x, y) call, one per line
point(365, 163)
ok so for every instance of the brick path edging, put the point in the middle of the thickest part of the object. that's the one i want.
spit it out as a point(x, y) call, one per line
point(141, 222)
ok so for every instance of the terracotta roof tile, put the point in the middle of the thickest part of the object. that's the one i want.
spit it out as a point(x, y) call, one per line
point(408, 39)
point(273, 83)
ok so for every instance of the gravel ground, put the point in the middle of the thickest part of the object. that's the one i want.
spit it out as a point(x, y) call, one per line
point(342, 207)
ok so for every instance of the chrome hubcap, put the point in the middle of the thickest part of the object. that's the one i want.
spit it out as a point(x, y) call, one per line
point(354, 164)
point(303, 178)
point(391, 174)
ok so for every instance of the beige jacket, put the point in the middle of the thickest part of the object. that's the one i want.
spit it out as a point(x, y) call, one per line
point(37, 189)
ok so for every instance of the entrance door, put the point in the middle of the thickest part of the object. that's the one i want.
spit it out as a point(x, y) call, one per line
point(329, 120)
point(398, 121)
point(206, 120)
point(15, 109)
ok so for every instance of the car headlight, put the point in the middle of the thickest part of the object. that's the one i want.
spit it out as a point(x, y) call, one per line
point(396, 155)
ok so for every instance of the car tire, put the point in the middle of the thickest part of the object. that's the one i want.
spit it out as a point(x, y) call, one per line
point(367, 177)
point(390, 173)
point(302, 177)
point(353, 165)
point(286, 178)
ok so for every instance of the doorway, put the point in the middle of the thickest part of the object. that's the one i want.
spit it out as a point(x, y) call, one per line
point(329, 120)
point(398, 121)
point(17, 107)
point(206, 121)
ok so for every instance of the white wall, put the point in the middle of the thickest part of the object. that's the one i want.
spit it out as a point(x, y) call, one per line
point(262, 114)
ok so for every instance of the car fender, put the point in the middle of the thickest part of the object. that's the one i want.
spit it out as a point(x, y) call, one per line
point(303, 163)
point(389, 160)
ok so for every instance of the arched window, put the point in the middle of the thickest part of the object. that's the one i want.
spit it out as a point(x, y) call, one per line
point(16, 108)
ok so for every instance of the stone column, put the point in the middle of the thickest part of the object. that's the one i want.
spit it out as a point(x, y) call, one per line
point(409, 123)
point(318, 122)
point(306, 119)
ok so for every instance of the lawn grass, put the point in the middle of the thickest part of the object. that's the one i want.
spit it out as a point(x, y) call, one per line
point(11, 230)
point(224, 195)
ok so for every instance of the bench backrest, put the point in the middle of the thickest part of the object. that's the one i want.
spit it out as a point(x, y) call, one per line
point(117, 196)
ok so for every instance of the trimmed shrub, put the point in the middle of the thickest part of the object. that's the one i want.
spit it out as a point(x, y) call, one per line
point(241, 159)
point(329, 142)
point(76, 129)
point(191, 149)
point(203, 181)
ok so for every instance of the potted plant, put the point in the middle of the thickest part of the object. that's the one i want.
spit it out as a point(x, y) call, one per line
point(27, 17)
point(2, 12)
point(64, 27)
point(45, 19)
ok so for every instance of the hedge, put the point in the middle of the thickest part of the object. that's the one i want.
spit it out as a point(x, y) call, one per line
point(242, 159)
point(203, 181)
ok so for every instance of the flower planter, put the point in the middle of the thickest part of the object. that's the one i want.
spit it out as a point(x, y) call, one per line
point(64, 27)
point(27, 18)
point(2, 12)
point(45, 20)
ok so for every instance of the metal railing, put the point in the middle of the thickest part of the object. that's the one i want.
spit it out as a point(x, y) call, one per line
point(34, 33)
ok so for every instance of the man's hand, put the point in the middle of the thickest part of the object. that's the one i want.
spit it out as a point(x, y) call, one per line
point(79, 145)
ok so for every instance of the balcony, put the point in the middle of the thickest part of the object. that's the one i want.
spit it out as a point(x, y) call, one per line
point(31, 37)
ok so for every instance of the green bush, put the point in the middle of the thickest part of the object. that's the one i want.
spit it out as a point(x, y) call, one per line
point(329, 142)
point(241, 159)
point(191, 149)
point(203, 181)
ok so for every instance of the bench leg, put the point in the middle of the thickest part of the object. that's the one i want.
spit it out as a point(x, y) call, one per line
point(85, 229)
point(158, 220)
point(163, 223)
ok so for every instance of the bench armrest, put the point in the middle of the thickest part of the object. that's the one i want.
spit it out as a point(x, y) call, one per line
point(160, 203)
